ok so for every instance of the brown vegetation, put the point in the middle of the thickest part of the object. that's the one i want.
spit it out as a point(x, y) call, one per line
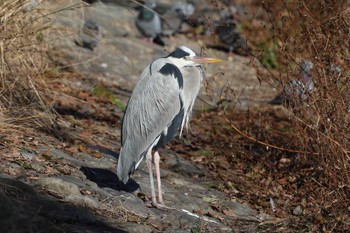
point(311, 138)
point(23, 63)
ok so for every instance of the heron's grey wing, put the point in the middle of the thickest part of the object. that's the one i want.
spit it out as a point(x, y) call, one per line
point(152, 108)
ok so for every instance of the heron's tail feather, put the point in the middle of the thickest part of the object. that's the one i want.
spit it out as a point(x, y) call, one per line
point(126, 165)
point(129, 159)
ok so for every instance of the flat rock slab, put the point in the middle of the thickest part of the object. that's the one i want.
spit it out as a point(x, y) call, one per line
point(25, 210)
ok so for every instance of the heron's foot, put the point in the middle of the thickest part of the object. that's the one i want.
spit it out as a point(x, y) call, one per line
point(162, 206)
point(148, 40)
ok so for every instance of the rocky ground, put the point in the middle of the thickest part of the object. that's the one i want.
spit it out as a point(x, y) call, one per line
point(68, 183)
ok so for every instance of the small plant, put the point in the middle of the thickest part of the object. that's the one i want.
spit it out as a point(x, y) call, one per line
point(101, 91)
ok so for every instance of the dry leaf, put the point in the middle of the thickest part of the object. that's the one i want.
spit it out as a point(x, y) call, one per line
point(83, 95)
point(83, 149)
point(215, 215)
point(97, 155)
point(229, 213)
point(85, 192)
point(86, 134)
point(72, 149)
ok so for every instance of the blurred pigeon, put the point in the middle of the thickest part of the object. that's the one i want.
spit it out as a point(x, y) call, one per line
point(148, 22)
point(171, 23)
point(333, 70)
point(184, 9)
point(89, 35)
point(297, 91)
point(229, 37)
point(173, 17)
point(31, 6)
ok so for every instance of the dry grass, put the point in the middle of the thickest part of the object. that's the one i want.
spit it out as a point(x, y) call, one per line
point(22, 65)
point(285, 33)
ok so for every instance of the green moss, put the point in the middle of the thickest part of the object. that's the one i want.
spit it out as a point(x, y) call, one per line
point(269, 55)
point(204, 152)
point(101, 91)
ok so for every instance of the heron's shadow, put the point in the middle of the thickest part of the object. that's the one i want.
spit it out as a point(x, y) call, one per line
point(105, 178)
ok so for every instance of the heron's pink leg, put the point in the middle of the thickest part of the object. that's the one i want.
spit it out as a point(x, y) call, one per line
point(156, 162)
point(150, 171)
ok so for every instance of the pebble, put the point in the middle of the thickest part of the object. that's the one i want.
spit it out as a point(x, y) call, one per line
point(298, 211)
point(137, 228)
point(181, 165)
point(27, 155)
point(74, 180)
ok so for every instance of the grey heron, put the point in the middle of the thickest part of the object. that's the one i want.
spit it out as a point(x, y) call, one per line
point(297, 90)
point(160, 105)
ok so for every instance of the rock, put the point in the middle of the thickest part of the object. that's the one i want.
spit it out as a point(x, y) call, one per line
point(129, 202)
point(105, 162)
point(74, 180)
point(186, 221)
point(58, 154)
point(81, 158)
point(85, 201)
point(14, 169)
point(37, 167)
point(298, 210)
point(24, 210)
point(63, 188)
point(181, 182)
point(3, 175)
point(181, 165)
point(242, 211)
point(137, 228)
point(28, 155)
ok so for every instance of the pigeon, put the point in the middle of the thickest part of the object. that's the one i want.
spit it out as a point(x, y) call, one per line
point(297, 91)
point(31, 6)
point(149, 24)
point(184, 9)
point(89, 35)
point(173, 17)
point(229, 37)
point(171, 23)
point(333, 70)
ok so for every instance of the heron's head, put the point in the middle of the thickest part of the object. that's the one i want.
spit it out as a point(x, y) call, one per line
point(184, 56)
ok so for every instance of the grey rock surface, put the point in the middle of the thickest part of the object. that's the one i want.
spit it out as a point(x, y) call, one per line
point(59, 186)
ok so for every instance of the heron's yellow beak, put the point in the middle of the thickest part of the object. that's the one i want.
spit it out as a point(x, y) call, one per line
point(203, 60)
